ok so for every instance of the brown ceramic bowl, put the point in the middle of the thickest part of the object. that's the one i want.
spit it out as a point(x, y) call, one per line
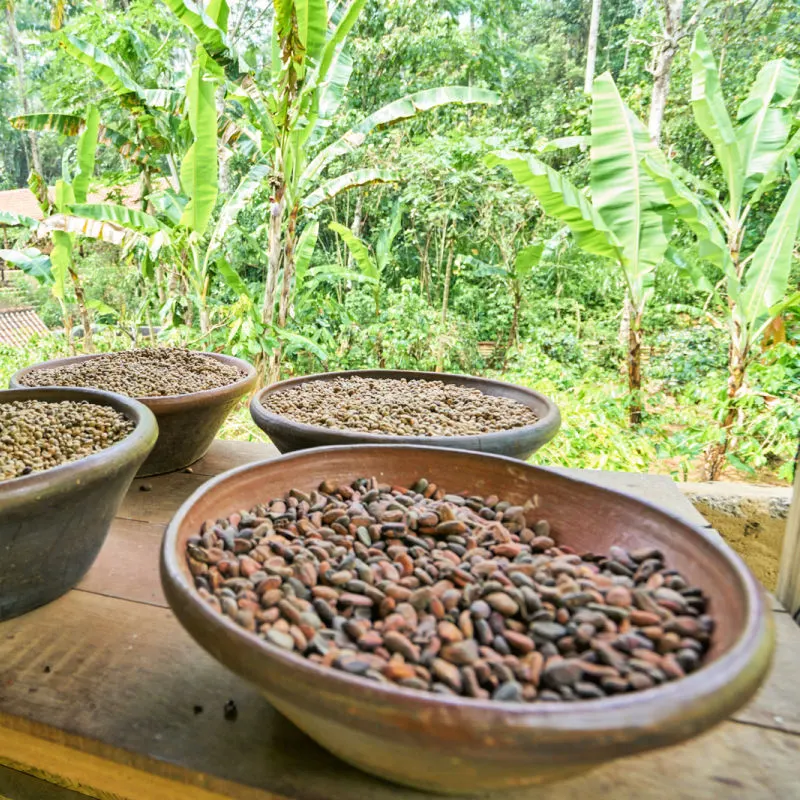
point(288, 435)
point(187, 423)
point(458, 745)
point(53, 523)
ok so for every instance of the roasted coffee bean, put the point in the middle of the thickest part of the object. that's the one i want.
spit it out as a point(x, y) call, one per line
point(474, 608)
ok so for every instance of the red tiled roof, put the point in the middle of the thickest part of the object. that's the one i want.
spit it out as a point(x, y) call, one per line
point(17, 325)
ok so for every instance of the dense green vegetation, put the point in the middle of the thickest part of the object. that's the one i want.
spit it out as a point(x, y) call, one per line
point(319, 194)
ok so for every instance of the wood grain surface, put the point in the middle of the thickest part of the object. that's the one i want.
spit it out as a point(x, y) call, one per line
point(103, 694)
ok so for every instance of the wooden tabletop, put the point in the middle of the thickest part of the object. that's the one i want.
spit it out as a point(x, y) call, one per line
point(102, 693)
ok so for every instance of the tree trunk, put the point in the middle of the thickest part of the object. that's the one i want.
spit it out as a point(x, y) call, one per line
point(269, 367)
point(86, 320)
point(591, 50)
point(19, 57)
point(662, 66)
point(286, 292)
point(715, 453)
point(635, 368)
point(445, 300)
point(224, 174)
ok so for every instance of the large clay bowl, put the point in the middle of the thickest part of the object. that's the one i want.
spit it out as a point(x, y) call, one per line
point(187, 423)
point(459, 745)
point(288, 435)
point(53, 523)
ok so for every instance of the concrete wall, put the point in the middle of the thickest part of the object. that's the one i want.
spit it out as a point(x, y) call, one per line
point(752, 519)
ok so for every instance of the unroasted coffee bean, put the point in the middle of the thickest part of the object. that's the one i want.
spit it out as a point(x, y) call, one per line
point(36, 435)
point(479, 608)
point(147, 372)
point(399, 407)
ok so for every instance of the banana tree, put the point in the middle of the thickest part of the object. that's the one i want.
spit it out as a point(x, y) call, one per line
point(151, 137)
point(372, 267)
point(622, 222)
point(287, 122)
point(756, 156)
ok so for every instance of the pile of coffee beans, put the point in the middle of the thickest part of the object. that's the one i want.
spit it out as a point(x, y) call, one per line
point(450, 593)
point(155, 372)
point(36, 435)
point(398, 407)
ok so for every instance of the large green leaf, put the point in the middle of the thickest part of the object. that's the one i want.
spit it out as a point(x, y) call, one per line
point(110, 72)
point(690, 208)
point(231, 277)
point(298, 342)
point(305, 250)
point(359, 250)
point(527, 258)
point(783, 159)
point(128, 149)
point(199, 170)
point(712, 118)
point(61, 261)
point(10, 219)
point(120, 215)
point(403, 108)
point(65, 124)
point(623, 193)
point(312, 23)
point(383, 247)
point(359, 177)
point(87, 146)
point(170, 204)
point(765, 118)
point(561, 199)
point(767, 275)
point(31, 261)
point(338, 36)
point(207, 26)
point(219, 11)
point(242, 195)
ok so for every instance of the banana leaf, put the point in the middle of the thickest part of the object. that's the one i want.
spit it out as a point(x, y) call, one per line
point(358, 177)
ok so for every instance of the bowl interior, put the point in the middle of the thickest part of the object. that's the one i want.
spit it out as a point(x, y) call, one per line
point(159, 402)
point(544, 408)
point(587, 517)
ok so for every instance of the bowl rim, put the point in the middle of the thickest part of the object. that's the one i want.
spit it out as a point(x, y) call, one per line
point(139, 442)
point(745, 662)
point(156, 402)
point(546, 425)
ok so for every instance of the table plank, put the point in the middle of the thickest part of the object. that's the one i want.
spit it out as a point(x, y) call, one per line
point(139, 682)
point(161, 497)
point(775, 704)
point(127, 566)
point(16, 785)
point(143, 716)
point(225, 455)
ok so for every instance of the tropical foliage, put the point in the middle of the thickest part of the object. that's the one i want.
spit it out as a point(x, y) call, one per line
point(425, 185)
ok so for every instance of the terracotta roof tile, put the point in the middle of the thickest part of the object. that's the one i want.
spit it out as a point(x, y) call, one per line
point(17, 325)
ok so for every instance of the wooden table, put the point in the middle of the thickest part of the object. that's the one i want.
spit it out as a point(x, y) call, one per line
point(103, 694)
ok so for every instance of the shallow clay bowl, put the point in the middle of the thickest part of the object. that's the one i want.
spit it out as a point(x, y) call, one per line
point(187, 423)
point(53, 523)
point(288, 435)
point(459, 745)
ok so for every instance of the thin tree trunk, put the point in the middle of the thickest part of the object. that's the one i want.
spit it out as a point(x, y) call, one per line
point(224, 174)
point(83, 310)
point(591, 50)
point(445, 300)
point(514, 330)
point(635, 368)
point(662, 66)
point(716, 453)
point(286, 292)
point(269, 366)
point(19, 57)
